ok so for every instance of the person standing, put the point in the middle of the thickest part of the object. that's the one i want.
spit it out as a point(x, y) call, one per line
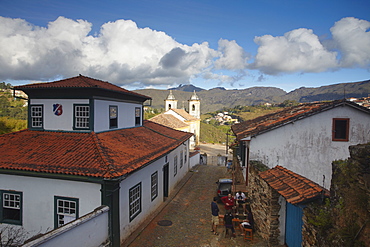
point(229, 222)
point(215, 220)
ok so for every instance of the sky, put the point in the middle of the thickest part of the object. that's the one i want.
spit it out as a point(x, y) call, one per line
point(160, 44)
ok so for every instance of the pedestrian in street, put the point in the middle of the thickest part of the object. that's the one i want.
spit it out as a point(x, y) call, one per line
point(215, 220)
point(228, 165)
point(229, 223)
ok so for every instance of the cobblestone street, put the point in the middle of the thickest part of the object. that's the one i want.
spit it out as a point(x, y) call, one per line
point(189, 212)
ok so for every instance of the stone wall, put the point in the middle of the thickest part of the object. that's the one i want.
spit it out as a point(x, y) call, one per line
point(264, 205)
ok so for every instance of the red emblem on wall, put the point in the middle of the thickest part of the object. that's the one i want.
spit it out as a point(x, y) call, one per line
point(58, 109)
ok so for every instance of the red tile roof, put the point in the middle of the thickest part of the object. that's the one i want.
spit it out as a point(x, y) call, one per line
point(79, 82)
point(288, 115)
point(184, 114)
point(293, 187)
point(103, 155)
point(169, 120)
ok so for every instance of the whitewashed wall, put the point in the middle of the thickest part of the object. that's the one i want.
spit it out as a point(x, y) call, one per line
point(126, 114)
point(89, 230)
point(194, 160)
point(62, 122)
point(38, 199)
point(306, 146)
point(144, 176)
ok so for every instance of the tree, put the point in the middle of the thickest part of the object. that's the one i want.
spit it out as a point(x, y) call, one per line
point(11, 236)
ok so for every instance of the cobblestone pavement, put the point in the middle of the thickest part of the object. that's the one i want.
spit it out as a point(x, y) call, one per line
point(189, 212)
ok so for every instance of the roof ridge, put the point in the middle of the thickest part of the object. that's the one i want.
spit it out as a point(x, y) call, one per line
point(162, 133)
point(101, 153)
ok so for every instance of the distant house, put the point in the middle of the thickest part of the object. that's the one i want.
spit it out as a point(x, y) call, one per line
point(298, 144)
point(87, 145)
point(180, 119)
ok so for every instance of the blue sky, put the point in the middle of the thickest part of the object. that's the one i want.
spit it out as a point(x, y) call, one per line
point(161, 44)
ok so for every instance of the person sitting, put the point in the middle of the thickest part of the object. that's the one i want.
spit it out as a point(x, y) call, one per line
point(241, 199)
point(228, 218)
point(228, 201)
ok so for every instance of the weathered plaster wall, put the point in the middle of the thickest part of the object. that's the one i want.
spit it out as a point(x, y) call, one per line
point(306, 147)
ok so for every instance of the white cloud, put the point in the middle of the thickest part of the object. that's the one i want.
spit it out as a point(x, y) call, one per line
point(127, 55)
point(297, 51)
point(232, 56)
point(300, 50)
point(120, 53)
point(351, 37)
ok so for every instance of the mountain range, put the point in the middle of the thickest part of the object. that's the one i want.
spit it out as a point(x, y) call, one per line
point(217, 98)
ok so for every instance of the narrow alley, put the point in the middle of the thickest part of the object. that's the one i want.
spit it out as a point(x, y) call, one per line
point(186, 219)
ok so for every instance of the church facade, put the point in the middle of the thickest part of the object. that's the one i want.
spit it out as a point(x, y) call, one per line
point(180, 119)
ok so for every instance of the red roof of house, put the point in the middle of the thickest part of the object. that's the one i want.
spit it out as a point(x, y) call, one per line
point(287, 115)
point(293, 187)
point(108, 154)
point(79, 82)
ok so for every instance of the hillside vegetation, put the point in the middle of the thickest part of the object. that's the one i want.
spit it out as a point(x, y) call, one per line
point(13, 112)
point(217, 98)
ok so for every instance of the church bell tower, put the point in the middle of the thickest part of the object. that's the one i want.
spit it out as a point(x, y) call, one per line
point(194, 106)
point(170, 102)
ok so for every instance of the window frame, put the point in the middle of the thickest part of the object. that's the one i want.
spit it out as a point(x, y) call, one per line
point(135, 205)
point(181, 159)
point(113, 121)
point(335, 129)
point(137, 116)
point(56, 207)
point(33, 118)
point(175, 166)
point(154, 185)
point(2, 207)
point(75, 122)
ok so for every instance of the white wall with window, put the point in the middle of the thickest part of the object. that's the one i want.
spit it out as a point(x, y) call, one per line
point(126, 114)
point(307, 147)
point(139, 196)
point(58, 114)
point(50, 201)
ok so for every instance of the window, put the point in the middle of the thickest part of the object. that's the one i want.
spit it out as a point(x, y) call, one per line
point(340, 129)
point(11, 207)
point(154, 185)
point(36, 116)
point(175, 166)
point(137, 116)
point(82, 116)
point(181, 159)
point(135, 201)
point(66, 210)
point(113, 122)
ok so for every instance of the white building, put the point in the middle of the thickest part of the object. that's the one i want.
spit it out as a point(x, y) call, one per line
point(87, 145)
point(299, 144)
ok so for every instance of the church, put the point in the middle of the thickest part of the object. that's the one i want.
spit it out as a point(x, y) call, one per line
point(180, 119)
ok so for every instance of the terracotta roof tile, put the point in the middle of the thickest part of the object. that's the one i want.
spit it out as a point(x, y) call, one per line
point(288, 115)
point(293, 187)
point(79, 82)
point(104, 155)
point(169, 121)
point(184, 114)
